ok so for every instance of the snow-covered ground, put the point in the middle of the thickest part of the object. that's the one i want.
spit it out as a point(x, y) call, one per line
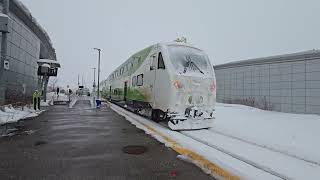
point(10, 114)
point(60, 97)
point(74, 99)
point(292, 134)
point(248, 142)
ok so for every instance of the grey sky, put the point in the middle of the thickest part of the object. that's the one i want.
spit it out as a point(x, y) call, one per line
point(227, 30)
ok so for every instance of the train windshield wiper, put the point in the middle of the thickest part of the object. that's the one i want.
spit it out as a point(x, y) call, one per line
point(191, 65)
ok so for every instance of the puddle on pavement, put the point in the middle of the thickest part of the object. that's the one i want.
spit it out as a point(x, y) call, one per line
point(16, 131)
point(40, 142)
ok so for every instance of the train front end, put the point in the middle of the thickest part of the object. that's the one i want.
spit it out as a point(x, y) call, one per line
point(193, 89)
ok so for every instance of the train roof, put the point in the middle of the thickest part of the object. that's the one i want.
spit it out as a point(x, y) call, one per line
point(172, 43)
point(145, 52)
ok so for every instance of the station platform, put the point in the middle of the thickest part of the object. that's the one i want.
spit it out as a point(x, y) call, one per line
point(86, 143)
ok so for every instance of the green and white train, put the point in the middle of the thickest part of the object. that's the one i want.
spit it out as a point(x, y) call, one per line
point(173, 82)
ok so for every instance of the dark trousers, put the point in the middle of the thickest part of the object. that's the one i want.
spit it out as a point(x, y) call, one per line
point(35, 103)
point(38, 102)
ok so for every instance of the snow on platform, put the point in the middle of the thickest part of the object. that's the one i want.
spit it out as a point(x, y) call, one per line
point(11, 115)
point(246, 142)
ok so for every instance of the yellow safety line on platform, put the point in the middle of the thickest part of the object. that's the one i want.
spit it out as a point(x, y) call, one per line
point(201, 161)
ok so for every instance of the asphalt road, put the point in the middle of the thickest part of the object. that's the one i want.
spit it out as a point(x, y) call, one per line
point(84, 143)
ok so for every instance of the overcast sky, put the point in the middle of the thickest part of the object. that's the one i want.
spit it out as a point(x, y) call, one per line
point(227, 30)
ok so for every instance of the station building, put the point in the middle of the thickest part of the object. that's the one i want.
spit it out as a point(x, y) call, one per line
point(26, 43)
point(286, 83)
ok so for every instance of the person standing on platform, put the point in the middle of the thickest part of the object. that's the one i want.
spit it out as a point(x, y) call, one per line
point(58, 90)
point(35, 99)
point(39, 99)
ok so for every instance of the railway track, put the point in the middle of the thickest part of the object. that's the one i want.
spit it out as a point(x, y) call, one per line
point(265, 147)
point(247, 161)
point(222, 150)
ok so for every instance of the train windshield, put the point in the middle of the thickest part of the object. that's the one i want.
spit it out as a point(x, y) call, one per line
point(188, 60)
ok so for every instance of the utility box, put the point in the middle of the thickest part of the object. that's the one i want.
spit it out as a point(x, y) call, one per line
point(6, 65)
point(4, 23)
point(43, 70)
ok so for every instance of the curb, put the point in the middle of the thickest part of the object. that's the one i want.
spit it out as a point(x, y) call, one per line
point(198, 160)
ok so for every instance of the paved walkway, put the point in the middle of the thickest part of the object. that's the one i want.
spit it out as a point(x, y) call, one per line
point(84, 143)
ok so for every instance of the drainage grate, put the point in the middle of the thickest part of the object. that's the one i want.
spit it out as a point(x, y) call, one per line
point(134, 149)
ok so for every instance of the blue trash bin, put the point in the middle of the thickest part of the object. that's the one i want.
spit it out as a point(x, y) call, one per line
point(98, 103)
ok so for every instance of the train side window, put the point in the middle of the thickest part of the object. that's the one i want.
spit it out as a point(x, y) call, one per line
point(134, 80)
point(153, 62)
point(140, 80)
point(131, 65)
point(139, 60)
point(135, 61)
point(160, 62)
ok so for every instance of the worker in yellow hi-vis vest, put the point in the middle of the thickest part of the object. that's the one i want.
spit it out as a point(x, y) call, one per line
point(36, 99)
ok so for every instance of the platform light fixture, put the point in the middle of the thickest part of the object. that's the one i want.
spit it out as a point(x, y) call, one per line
point(99, 51)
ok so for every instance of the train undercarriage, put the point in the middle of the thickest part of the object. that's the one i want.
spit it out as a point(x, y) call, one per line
point(193, 118)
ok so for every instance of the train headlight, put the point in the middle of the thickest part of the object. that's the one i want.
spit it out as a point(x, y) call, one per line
point(177, 84)
point(212, 86)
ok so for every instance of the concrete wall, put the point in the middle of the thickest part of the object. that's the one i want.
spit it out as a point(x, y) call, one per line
point(288, 83)
point(23, 52)
point(27, 43)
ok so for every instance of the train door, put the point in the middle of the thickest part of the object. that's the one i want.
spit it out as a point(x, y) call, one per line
point(125, 89)
point(153, 70)
point(150, 76)
point(162, 84)
point(110, 92)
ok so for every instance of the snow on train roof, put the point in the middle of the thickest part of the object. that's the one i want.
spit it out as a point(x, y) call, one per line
point(175, 43)
point(172, 43)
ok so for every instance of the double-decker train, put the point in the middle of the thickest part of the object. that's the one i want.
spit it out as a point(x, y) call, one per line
point(173, 82)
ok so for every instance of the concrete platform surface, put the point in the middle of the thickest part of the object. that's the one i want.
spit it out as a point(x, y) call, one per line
point(84, 143)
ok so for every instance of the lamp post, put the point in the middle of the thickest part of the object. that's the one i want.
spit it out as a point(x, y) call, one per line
point(99, 50)
point(94, 77)
point(94, 85)
point(94, 80)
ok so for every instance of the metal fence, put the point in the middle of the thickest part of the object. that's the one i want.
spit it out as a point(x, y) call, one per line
point(286, 83)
